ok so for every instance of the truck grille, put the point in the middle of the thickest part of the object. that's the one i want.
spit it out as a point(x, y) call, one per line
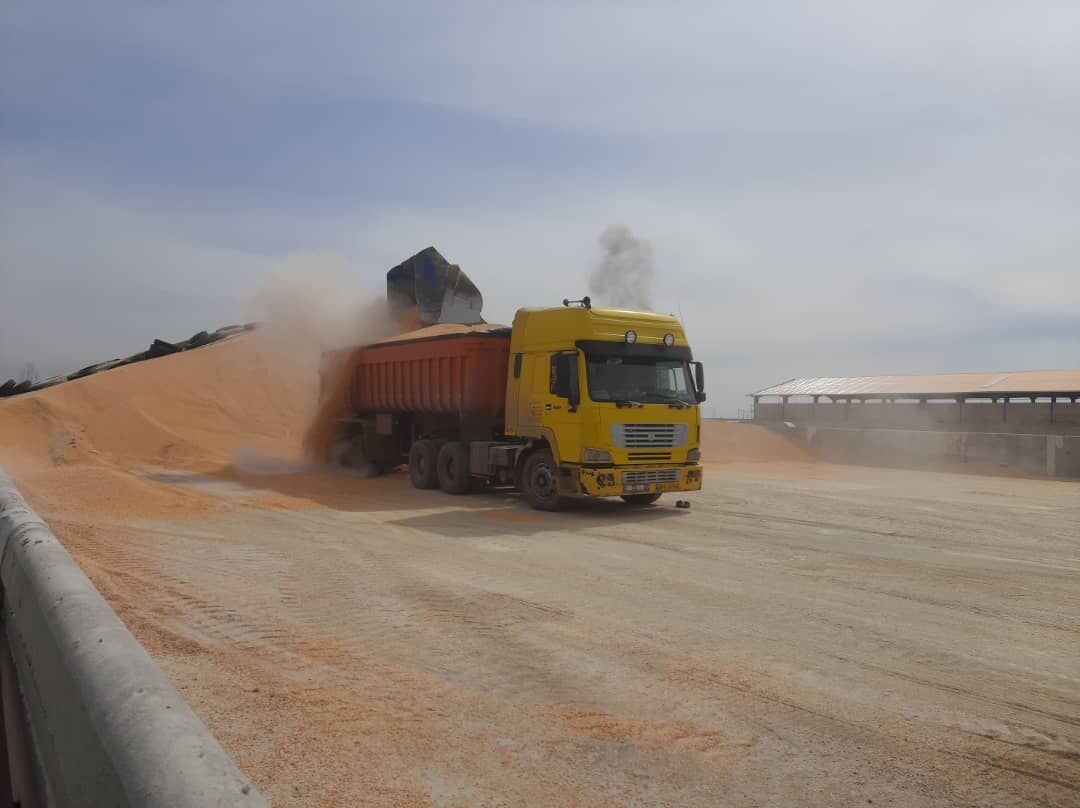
point(649, 436)
point(649, 457)
point(650, 477)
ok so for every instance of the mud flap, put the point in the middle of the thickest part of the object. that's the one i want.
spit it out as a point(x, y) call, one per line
point(567, 482)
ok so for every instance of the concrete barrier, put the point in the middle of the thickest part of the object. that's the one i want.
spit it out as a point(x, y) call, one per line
point(1016, 418)
point(1044, 455)
point(89, 719)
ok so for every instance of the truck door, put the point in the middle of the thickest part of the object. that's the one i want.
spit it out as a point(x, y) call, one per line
point(560, 394)
point(521, 400)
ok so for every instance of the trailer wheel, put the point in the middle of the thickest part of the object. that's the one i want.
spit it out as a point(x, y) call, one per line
point(423, 462)
point(453, 468)
point(539, 481)
point(640, 499)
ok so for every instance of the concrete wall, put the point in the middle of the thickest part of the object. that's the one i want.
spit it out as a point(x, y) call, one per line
point(1046, 455)
point(89, 719)
point(1018, 418)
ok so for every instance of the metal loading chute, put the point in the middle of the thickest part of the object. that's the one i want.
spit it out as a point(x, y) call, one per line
point(436, 290)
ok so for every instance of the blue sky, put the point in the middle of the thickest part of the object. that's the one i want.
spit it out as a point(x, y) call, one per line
point(830, 188)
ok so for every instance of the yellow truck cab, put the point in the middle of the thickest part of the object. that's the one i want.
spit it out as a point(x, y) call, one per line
point(615, 396)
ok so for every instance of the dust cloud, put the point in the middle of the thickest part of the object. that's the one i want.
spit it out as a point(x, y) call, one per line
point(322, 434)
point(307, 309)
point(623, 278)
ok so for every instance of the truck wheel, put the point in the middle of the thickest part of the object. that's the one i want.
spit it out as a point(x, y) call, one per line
point(423, 459)
point(453, 468)
point(640, 499)
point(539, 481)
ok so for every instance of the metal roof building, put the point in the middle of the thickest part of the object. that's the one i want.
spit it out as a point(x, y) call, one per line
point(1030, 384)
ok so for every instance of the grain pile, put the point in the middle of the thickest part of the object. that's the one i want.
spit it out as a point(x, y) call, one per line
point(89, 445)
point(734, 442)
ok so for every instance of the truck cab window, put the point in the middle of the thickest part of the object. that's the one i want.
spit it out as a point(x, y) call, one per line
point(672, 380)
point(638, 379)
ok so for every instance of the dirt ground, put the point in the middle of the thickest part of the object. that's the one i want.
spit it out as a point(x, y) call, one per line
point(806, 634)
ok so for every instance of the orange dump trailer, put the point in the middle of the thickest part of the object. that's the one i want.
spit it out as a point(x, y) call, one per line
point(444, 370)
point(446, 379)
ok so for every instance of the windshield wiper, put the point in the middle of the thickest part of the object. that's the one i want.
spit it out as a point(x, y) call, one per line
point(671, 401)
point(625, 402)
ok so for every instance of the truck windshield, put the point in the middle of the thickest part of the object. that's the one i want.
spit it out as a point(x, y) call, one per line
point(640, 380)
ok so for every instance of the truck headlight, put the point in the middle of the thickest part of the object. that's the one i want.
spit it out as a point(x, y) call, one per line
point(693, 456)
point(595, 456)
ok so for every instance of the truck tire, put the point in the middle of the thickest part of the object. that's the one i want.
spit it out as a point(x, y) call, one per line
point(640, 499)
point(453, 468)
point(539, 481)
point(423, 464)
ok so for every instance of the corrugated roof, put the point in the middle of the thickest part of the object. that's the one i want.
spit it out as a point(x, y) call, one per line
point(1043, 382)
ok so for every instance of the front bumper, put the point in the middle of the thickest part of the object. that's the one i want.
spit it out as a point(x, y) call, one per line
point(621, 480)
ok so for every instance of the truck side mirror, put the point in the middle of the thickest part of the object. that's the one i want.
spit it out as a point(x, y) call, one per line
point(699, 380)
